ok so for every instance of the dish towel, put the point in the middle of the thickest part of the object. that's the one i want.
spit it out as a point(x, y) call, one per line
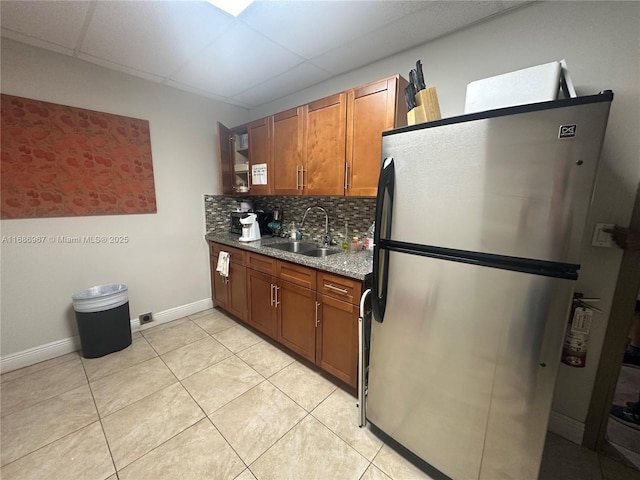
point(223, 264)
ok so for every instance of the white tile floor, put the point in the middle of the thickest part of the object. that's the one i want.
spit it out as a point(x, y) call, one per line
point(205, 397)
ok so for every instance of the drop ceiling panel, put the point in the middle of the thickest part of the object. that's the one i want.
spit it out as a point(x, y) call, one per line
point(36, 42)
point(59, 23)
point(312, 28)
point(273, 49)
point(236, 61)
point(199, 91)
point(120, 68)
point(299, 77)
point(386, 41)
point(153, 37)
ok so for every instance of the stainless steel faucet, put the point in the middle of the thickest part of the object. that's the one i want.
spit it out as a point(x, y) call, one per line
point(326, 238)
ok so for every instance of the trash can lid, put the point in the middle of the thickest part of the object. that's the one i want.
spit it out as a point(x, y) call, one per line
point(100, 291)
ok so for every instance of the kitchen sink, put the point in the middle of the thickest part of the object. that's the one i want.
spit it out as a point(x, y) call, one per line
point(320, 252)
point(308, 249)
point(295, 247)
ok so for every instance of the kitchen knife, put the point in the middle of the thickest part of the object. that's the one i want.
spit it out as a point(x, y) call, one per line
point(413, 80)
point(410, 97)
point(419, 77)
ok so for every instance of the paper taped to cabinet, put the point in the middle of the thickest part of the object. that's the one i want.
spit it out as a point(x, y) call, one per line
point(259, 174)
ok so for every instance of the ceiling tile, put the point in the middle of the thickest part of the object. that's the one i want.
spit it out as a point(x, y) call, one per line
point(20, 37)
point(154, 37)
point(197, 91)
point(310, 28)
point(299, 77)
point(440, 17)
point(238, 60)
point(119, 68)
point(59, 23)
point(273, 49)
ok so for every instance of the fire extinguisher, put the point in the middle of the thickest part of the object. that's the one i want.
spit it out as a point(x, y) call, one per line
point(576, 339)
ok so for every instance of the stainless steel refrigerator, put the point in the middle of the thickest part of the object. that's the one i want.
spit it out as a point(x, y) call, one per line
point(480, 221)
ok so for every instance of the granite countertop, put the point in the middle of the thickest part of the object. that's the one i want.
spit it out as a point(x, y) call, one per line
point(353, 265)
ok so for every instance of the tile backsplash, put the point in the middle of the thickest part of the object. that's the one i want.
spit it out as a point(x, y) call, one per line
point(357, 212)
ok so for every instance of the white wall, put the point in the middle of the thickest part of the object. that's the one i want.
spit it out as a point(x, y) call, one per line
point(165, 262)
point(601, 43)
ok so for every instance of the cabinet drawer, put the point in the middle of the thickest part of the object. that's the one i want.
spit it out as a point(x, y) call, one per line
point(342, 288)
point(297, 274)
point(235, 254)
point(261, 263)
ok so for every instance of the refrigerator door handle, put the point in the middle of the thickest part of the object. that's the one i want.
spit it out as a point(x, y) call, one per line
point(384, 211)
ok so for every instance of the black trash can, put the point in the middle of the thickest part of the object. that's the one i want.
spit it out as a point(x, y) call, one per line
point(102, 316)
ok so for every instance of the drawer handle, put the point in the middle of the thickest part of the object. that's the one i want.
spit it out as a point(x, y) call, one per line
point(344, 291)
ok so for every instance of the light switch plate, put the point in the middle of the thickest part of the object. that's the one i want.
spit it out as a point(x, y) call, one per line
point(602, 238)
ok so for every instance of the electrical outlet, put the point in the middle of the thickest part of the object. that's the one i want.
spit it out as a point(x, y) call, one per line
point(145, 318)
point(602, 238)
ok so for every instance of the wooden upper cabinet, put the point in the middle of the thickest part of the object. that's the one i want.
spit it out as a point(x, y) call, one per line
point(331, 146)
point(233, 156)
point(260, 154)
point(225, 155)
point(371, 110)
point(325, 146)
point(288, 151)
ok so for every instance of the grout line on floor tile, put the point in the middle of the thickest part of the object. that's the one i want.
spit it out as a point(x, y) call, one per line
point(157, 446)
point(235, 398)
point(336, 433)
point(274, 443)
point(36, 370)
point(53, 441)
point(174, 326)
point(368, 467)
point(227, 441)
point(95, 405)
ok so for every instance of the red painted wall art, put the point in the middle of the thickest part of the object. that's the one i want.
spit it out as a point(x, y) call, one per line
point(60, 161)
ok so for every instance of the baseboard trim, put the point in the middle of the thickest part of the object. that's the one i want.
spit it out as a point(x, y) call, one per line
point(39, 354)
point(566, 427)
point(172, 314)
point(51, 350)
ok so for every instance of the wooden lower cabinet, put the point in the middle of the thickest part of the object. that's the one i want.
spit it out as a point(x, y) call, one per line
point(297, 318)
point(229, 293)
point(219, 291)
point(263, 315)
point(337, 338)
point(312, 313)
point(237, 294)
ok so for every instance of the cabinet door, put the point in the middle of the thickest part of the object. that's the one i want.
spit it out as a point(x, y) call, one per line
point(371, 109)
point(325, 146)
point(218, 286)
point(296, 318)
point(262, 312)
point(237, 291)
point(287, 151)
point(225, 158)
point(337, 339)
point(260, 153)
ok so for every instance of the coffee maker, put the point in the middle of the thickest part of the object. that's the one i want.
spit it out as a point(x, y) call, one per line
point(250, 228)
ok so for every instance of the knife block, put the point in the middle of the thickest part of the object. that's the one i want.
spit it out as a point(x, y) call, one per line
point(427, 107)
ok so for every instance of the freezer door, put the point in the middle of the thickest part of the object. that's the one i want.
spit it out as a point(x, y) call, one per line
point(461, 347)
point(516, 185)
